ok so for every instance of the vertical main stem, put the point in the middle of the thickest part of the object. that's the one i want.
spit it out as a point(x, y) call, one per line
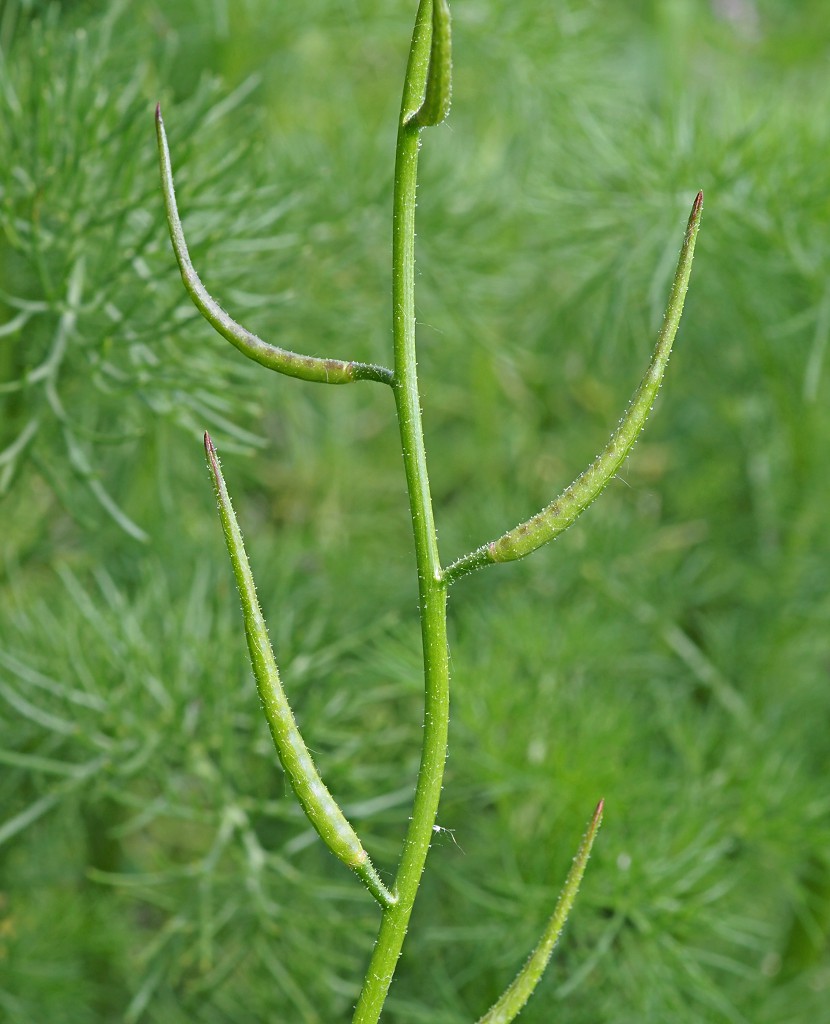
point(431, 588)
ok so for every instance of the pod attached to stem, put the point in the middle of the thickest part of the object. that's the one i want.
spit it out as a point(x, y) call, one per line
point(437, 95)
point(319, 805)
point(312, 368)
point(572, 502)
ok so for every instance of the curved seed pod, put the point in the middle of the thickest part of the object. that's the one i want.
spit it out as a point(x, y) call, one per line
point(320, 806)
point(508, 1007)
point(570, 504)
point(311, 368)
point(428, 92)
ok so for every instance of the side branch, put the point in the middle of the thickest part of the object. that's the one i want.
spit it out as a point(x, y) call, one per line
point(322, 809)
point(508, 1007)
point(564, 510)
point(311, 368)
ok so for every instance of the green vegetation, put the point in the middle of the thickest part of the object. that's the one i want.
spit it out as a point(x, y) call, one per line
point(671, 652)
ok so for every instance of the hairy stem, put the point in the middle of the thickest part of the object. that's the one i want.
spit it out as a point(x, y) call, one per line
point(431, 588)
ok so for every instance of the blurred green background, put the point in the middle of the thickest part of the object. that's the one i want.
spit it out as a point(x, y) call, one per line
point(671, 652)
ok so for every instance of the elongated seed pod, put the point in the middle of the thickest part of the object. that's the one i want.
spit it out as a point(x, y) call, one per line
point(428, 83)
point(508, 1007)
point(311, 368)
point(563, 511)
point(319, 805)
point(438, 93)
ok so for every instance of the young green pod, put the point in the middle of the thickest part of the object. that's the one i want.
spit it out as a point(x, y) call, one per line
point(508, 1007)
point(438, 93)
point(572, 502)
point(428, 92)
point(311, 368)
point(319, 805)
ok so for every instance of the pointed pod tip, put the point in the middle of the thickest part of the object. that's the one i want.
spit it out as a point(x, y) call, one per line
point(210, 450)
point(697, 206)
point(158, 112)
point(694, 217)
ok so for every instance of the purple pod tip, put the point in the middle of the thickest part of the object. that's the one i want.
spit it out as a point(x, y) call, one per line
point(212, 457)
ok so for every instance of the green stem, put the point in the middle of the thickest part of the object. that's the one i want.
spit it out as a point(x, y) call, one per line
point(432, 591)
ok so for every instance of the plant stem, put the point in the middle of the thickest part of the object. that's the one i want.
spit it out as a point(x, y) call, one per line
point(431, 588)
